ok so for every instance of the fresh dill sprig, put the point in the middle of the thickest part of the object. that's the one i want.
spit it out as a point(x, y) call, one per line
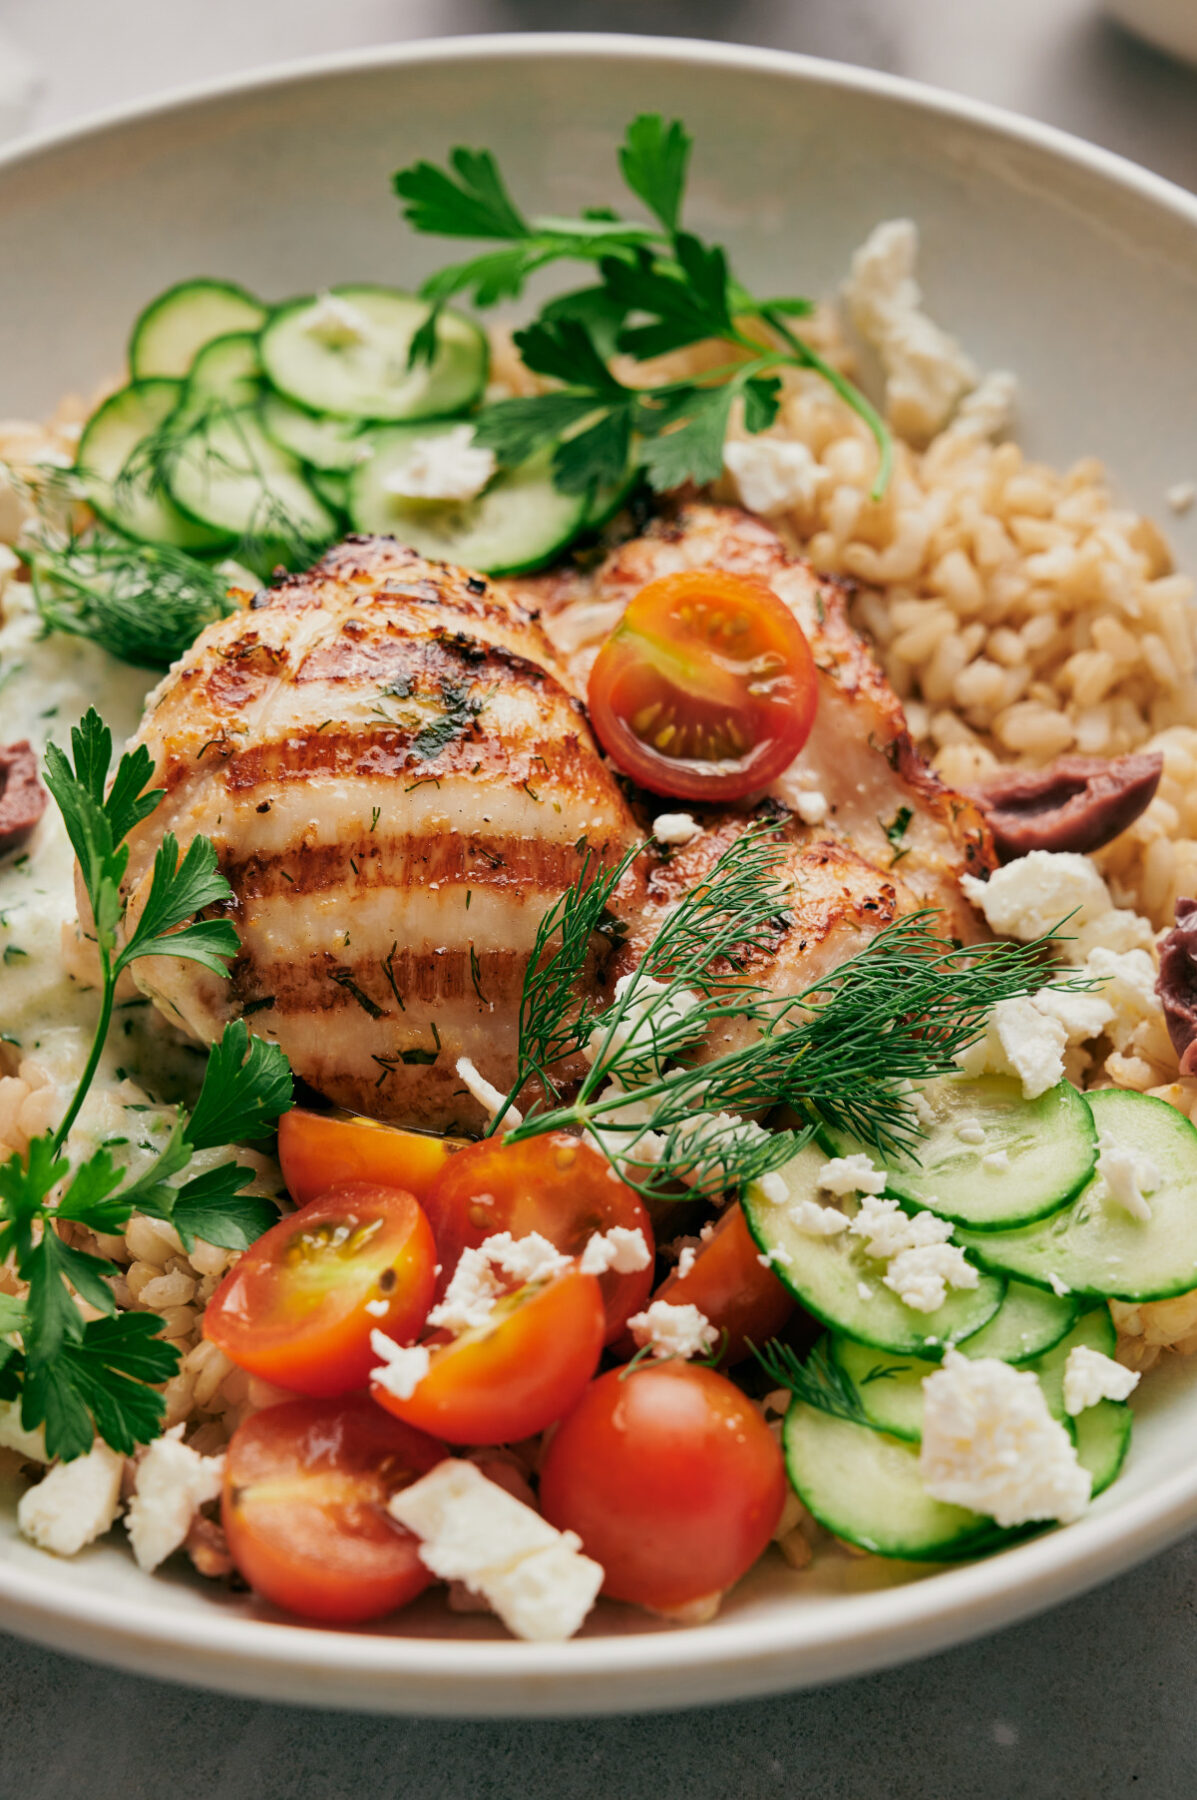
point(817, 1382)
point(660, 289)
point(143, 603)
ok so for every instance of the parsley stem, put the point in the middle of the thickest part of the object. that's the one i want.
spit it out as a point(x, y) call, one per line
point(93, 1060)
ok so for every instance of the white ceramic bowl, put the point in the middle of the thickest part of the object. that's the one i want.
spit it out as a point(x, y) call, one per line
point(1046, 256)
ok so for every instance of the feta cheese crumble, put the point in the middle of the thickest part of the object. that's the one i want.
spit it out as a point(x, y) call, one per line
point(173, 1482)
point(402, 1367)
point(336, 322)
point(1090, 1377)
point(647, 1016)
point(622, 1249)
point(1028, 897)
point(487, 1096)
point(1127, 1176)
point(1019, 1040)
point(996, 1161)
point(990, 1443)
point(888, 1231)
point(675, 828)
point(470, 1296)
point(473, 1531)
point(852, 1175)
point(669, 1330)
point(772, 475)
point(811, 807)
point(813, 1220)
point(970, 1131)
point(75, 1503)
point(447, 465)
point(921, 1277)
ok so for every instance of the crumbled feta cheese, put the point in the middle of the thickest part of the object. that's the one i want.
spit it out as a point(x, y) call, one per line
point(709, 1138)
point(74, 1503)
point(920, 1277)
point(1181, 496)
point(773, 474)
point(996, 1161)
point(888, 1231)
point(1090, 1377)
point(530, 1258)
point(1058, 1285)
point(472, 1530)
point(1030, 896)
point(767, 1258)
point(686, 1261)
point(970, 1131)
point(1127, 987)
point(989, 409)
point(1019, 1040)
point(173, 1482)
point(813, 1220)
point(488, 1097)
point(446, 465)
point(864, 1290)
point(773, 1187)
point(621, 1249)
point(13, 1436)
point(855, 1174)
point(336, 322)
point(403, 1366)
point(1127, 1176)
point(673, 1330)
point(990, 1443)
point(1083, 1016)
point(811, 807)
point(926, 371)
point(675, 828)
point(646, 1018)
point(470, 1296)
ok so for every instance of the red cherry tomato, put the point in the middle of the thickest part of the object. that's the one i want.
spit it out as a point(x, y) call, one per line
point(671, 1479)
point(304, 1509)
point(515, 1375)
point(299, 1306)
point(320, 1150)
point(557, 1185)
point(728, 1283)
point(706, 688)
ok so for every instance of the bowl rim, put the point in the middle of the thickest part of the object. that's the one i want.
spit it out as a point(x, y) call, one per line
point(741, 1656)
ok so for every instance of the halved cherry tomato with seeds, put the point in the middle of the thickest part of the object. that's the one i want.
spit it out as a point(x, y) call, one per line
point(320, 1150)
point(706, 689)
point(557, 1185)
point(671, 1479)
point(304, 1508)
point(517, 1374)
point(728, 1283)
point(298, 1308)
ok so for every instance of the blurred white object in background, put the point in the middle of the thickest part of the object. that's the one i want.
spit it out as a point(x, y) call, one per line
point(20, 81)
point(1169, 24)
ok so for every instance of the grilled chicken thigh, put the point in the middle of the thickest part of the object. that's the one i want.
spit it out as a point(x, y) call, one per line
point(398, 787)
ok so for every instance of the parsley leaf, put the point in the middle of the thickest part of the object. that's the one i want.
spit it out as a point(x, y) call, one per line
point(211, 1206)
point(247, 1084)
point(177, 890)
point(99, 1382)
point(475, 205)
point(653, 160)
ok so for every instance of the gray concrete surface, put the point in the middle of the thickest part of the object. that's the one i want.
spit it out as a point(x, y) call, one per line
point(1095, 1701)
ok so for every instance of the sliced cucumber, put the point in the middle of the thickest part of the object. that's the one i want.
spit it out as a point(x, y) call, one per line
point(332, 485)
point(1047, 1149)
point(1093, 1246)
point(231, 476)
point(890, 1387)
point(866, 1487)
point(175, 326)
point(334, 444)
point(362, 372)
point(518, 522)
point(1027, 1323)
point(1102, 1432)
point(834, 1279)
point(123, 478)
point(228, 369)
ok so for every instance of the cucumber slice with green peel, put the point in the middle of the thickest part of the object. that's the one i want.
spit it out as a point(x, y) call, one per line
point(1045, 1151)
point(334, 444)
point(834, 1279)
point(890, 1388)
point(517, 523)
point(1102, 1432)
point(1028, 1323)
point(356, 367)
point(1093, 1246)
point(228, 370)
point(123, 480)
point(332, 485)
point(231, 476)
point(865, 1486)
point(173, 328)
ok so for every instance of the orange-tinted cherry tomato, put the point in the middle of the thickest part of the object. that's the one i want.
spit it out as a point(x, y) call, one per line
point(515, 1375)
point(320, 1150)
point(728, 1283)
point(706, 689)
point(671, 1479)
point(556, 1185)
point(304, 1508)
point(300, 1305)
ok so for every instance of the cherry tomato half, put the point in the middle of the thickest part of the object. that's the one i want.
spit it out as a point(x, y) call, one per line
point(320, 1150)
point(727, 1282)
point(671, 1479)
point(299, 1306)
point(304, 1509)
point(706, 688)
point(517, 1374)
point(557, 1185)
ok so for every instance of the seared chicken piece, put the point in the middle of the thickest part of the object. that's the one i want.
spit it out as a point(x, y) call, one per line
point(883, 800)
point(398, 787)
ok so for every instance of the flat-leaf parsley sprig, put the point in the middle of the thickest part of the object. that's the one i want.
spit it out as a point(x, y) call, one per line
point(660, 289)
point(77, 1377)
